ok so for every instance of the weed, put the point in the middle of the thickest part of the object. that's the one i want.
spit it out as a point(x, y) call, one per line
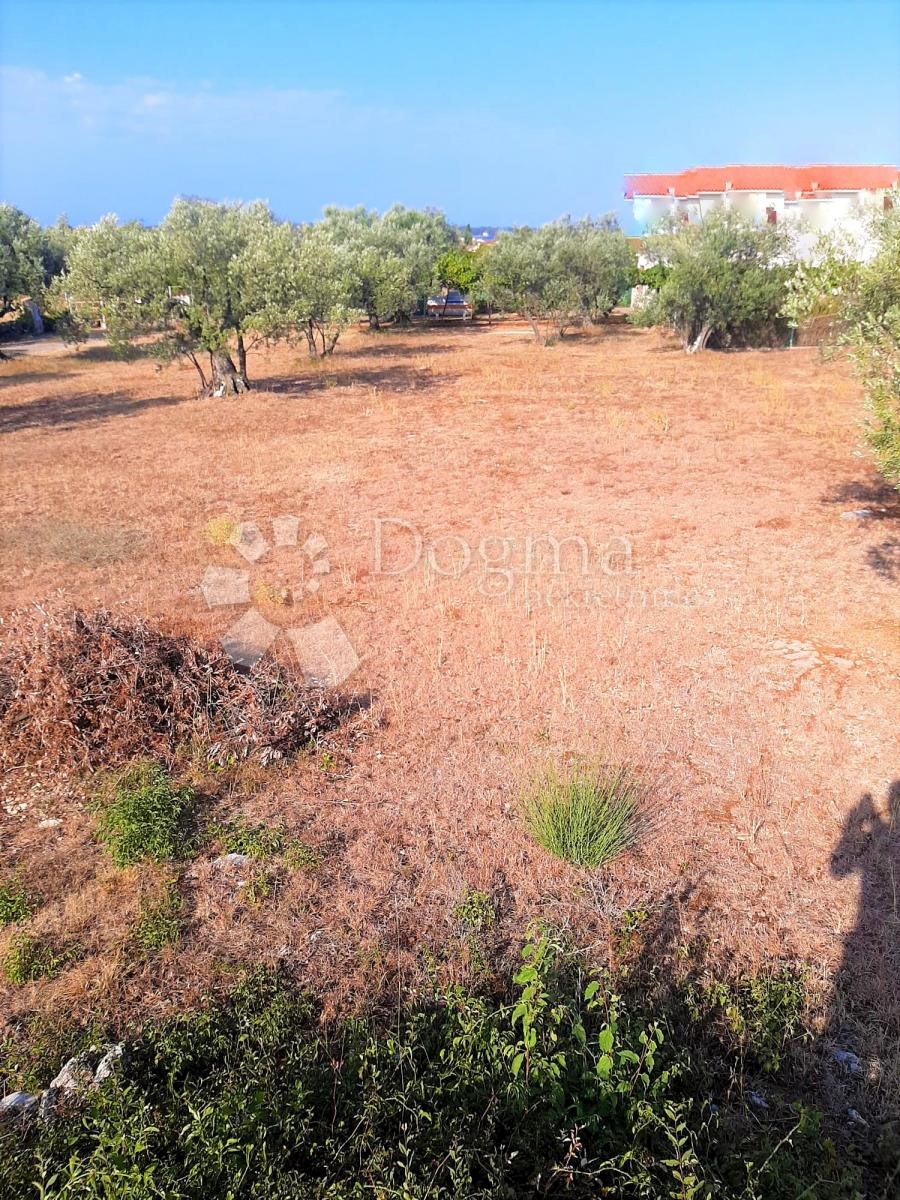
point(587, 816)
point(143, 817)
point(558, 1087)
point(475, 911)
point(15, 903)
point(160, 922)
point(259, 887)
point(28, 959)
point(298, 856)
point(763, 1013)
point(256, 841)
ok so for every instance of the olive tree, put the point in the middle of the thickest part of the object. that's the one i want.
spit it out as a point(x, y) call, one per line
point(202, 285)
point(562, 274)
point(857, 285)
point(391, 257)
point(724, 282)
point(21, 260)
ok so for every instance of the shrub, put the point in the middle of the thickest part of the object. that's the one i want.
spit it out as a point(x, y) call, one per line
point(143, 817)
point(725, 281)
point(558, 1087)
point(28, 959)
point(564, 273)
point(858, 287)
point(587, 817)
point(160, 922)
point(257, 841)
point(15, 904)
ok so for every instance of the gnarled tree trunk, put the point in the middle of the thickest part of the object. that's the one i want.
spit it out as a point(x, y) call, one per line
point(226, 380)
point(699, 342)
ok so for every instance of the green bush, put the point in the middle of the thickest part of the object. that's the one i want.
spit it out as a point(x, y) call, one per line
point(143, 817)
point(28, 959)
point(257, 841)
point(559, 1088)
point(15, 904)
point(587, 816)
point(723, 281)
point(160, 922)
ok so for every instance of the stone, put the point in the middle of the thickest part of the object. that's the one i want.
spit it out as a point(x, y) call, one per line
point(18, 1104)
point(846, 1059)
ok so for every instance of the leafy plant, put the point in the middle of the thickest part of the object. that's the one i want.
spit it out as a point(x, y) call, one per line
point(160, 922)
point(587, 816)
point(27, 959)
point(558, 1087)
point(15, 903)
point(725, 281)
point(256, 841)
point(475, 911)
point(142, 816)
point(299, 856)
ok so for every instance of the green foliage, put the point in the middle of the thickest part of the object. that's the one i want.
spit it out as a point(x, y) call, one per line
point(725, 280)
point(459, 268)
point(653, 277)
point(143, 817)
point(587, 816)
point(563, 274)
point(15, 903)
point(257, 841)
point(562, 1087)
point(160, 922)
point(28, 959)
point(763, 1014)
point(298, 856)
point(863, 298)
point(475, 911)
point(391, 257)
point(21, 259)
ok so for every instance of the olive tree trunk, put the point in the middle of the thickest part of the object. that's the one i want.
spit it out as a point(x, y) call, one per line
point(226, 379)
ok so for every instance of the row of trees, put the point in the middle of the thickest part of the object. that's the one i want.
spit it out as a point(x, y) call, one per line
point(213, 281)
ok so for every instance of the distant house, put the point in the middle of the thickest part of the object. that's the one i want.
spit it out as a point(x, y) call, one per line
point(824, 196)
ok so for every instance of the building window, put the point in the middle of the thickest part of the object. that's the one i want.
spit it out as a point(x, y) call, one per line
point(771, 215)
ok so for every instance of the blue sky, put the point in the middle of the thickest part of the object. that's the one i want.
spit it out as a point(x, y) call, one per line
point(500, 113)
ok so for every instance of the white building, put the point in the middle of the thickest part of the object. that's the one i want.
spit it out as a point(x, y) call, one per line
point(823, 196)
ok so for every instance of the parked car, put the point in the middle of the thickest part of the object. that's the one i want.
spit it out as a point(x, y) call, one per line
point(449, 306)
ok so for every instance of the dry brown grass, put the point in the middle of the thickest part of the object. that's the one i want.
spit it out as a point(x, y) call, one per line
point(728, 475)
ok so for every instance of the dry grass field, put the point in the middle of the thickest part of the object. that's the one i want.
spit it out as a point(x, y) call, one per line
point(729, 625)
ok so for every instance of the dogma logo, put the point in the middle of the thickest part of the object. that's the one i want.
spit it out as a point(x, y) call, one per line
point(281, 574)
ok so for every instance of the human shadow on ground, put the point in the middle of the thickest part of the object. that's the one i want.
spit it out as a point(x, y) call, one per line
point(64, 412)
point(867, 983)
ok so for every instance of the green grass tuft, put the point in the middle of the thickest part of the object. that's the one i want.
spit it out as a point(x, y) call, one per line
point(15, 904)
point(28, 959)
point(161, 922)
point(143, 817)
point(257, 841)
point(587, 816)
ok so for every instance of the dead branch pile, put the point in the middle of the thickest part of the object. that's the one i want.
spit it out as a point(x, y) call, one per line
point(82, 690)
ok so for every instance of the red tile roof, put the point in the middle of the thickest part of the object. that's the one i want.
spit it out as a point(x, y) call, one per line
point(790, 180)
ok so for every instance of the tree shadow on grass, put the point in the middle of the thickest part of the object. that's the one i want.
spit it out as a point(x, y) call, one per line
point(65, 412)
point(399, 378)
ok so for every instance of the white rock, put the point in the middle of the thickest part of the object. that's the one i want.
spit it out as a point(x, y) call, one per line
point(847, 1059)
point(50, 823)
point(758, 1101)
point(227, 861)
point(18, 1104)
